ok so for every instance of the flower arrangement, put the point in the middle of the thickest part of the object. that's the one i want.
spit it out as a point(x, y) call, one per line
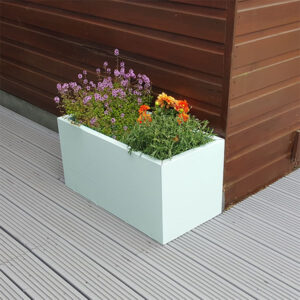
point(110, 104)
point(168, 130)
point(118, 103)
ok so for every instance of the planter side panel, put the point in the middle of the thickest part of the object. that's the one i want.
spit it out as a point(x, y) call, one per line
point(104, 172)
point(192, 189)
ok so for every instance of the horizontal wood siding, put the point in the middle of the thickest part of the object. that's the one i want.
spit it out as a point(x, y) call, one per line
point(264, 96)
point(179, 44)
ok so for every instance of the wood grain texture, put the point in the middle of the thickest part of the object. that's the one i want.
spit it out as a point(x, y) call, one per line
point(256, 181)
point(264, 98)
point(266, 16)
point(180, 46)
point(250, 162)
point(26, 92)
point(208, 3)
point(198, 22)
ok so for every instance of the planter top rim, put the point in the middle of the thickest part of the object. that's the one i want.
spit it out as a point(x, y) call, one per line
point(66, 118)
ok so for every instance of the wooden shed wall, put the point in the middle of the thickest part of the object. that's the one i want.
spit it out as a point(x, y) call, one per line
point(178, 43)
point(264, 98)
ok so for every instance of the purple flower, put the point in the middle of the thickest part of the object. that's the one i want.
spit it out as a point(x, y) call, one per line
point(139, 100)
point(93, 121)
point(122, 94)
point(124, 82)
point(105, 64)
point(56, 99)
point(122, 64)
point(72, 84)
point(98, 70)
point(140, 81)
point(58, 86)
point(138, 93)
point(108, 70)
point(146, 79)
point(122, 71)
point(113, 120)
point(92, 84)
point(84, 72)
point(80, 76)
point(125, 128)
point(122, 115)
point(85, 81)
point(88, 88)
point(65, 86)
point(106, 104)
point(77, 88)
point(86, 99)
point(115, 92)
point(97, 97)
point(116, 52)
point(116, 73)
point(106, 112)
point(131, 73)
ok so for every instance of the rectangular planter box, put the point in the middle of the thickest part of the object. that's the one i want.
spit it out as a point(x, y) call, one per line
point(163, 199)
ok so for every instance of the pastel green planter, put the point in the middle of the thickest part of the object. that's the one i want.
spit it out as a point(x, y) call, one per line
point(163, 199)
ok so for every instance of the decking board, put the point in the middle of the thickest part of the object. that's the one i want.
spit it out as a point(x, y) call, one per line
point(250, 251)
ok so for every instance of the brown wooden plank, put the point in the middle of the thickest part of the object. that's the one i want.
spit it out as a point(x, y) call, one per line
point(208, 3)
point(264, 95)
point(60, 69)
point(198, 23)
point(231, 11)
point(263, 105)
point(248, 138)
point(251, 19)
point(295, 157)
point(26, 92)
point(40, 80)
point(171, 78)
point(266, 46)
point(264, 63)
point(177, 50)
point(251, 81)
point(249, 162)
point(29, 76)
point(258, 180)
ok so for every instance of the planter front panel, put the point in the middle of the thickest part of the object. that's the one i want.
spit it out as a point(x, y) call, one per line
point(163, 199)
point(125, 185)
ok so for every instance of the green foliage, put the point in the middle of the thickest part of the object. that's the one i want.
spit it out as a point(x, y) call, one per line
point(109, 104)
point(164, 137)
point(113, 117)
point(116, 104)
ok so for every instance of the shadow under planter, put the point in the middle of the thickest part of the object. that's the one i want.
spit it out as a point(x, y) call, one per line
point(163, 199)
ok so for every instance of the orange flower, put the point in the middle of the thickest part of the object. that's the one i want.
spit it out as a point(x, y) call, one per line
point(143, 108)
point(163, 99)
point(182, 106)
point(182, 117)
point(144, 117)
point(176, 138)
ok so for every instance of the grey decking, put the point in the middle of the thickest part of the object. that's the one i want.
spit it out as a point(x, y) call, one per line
point(54, 244)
